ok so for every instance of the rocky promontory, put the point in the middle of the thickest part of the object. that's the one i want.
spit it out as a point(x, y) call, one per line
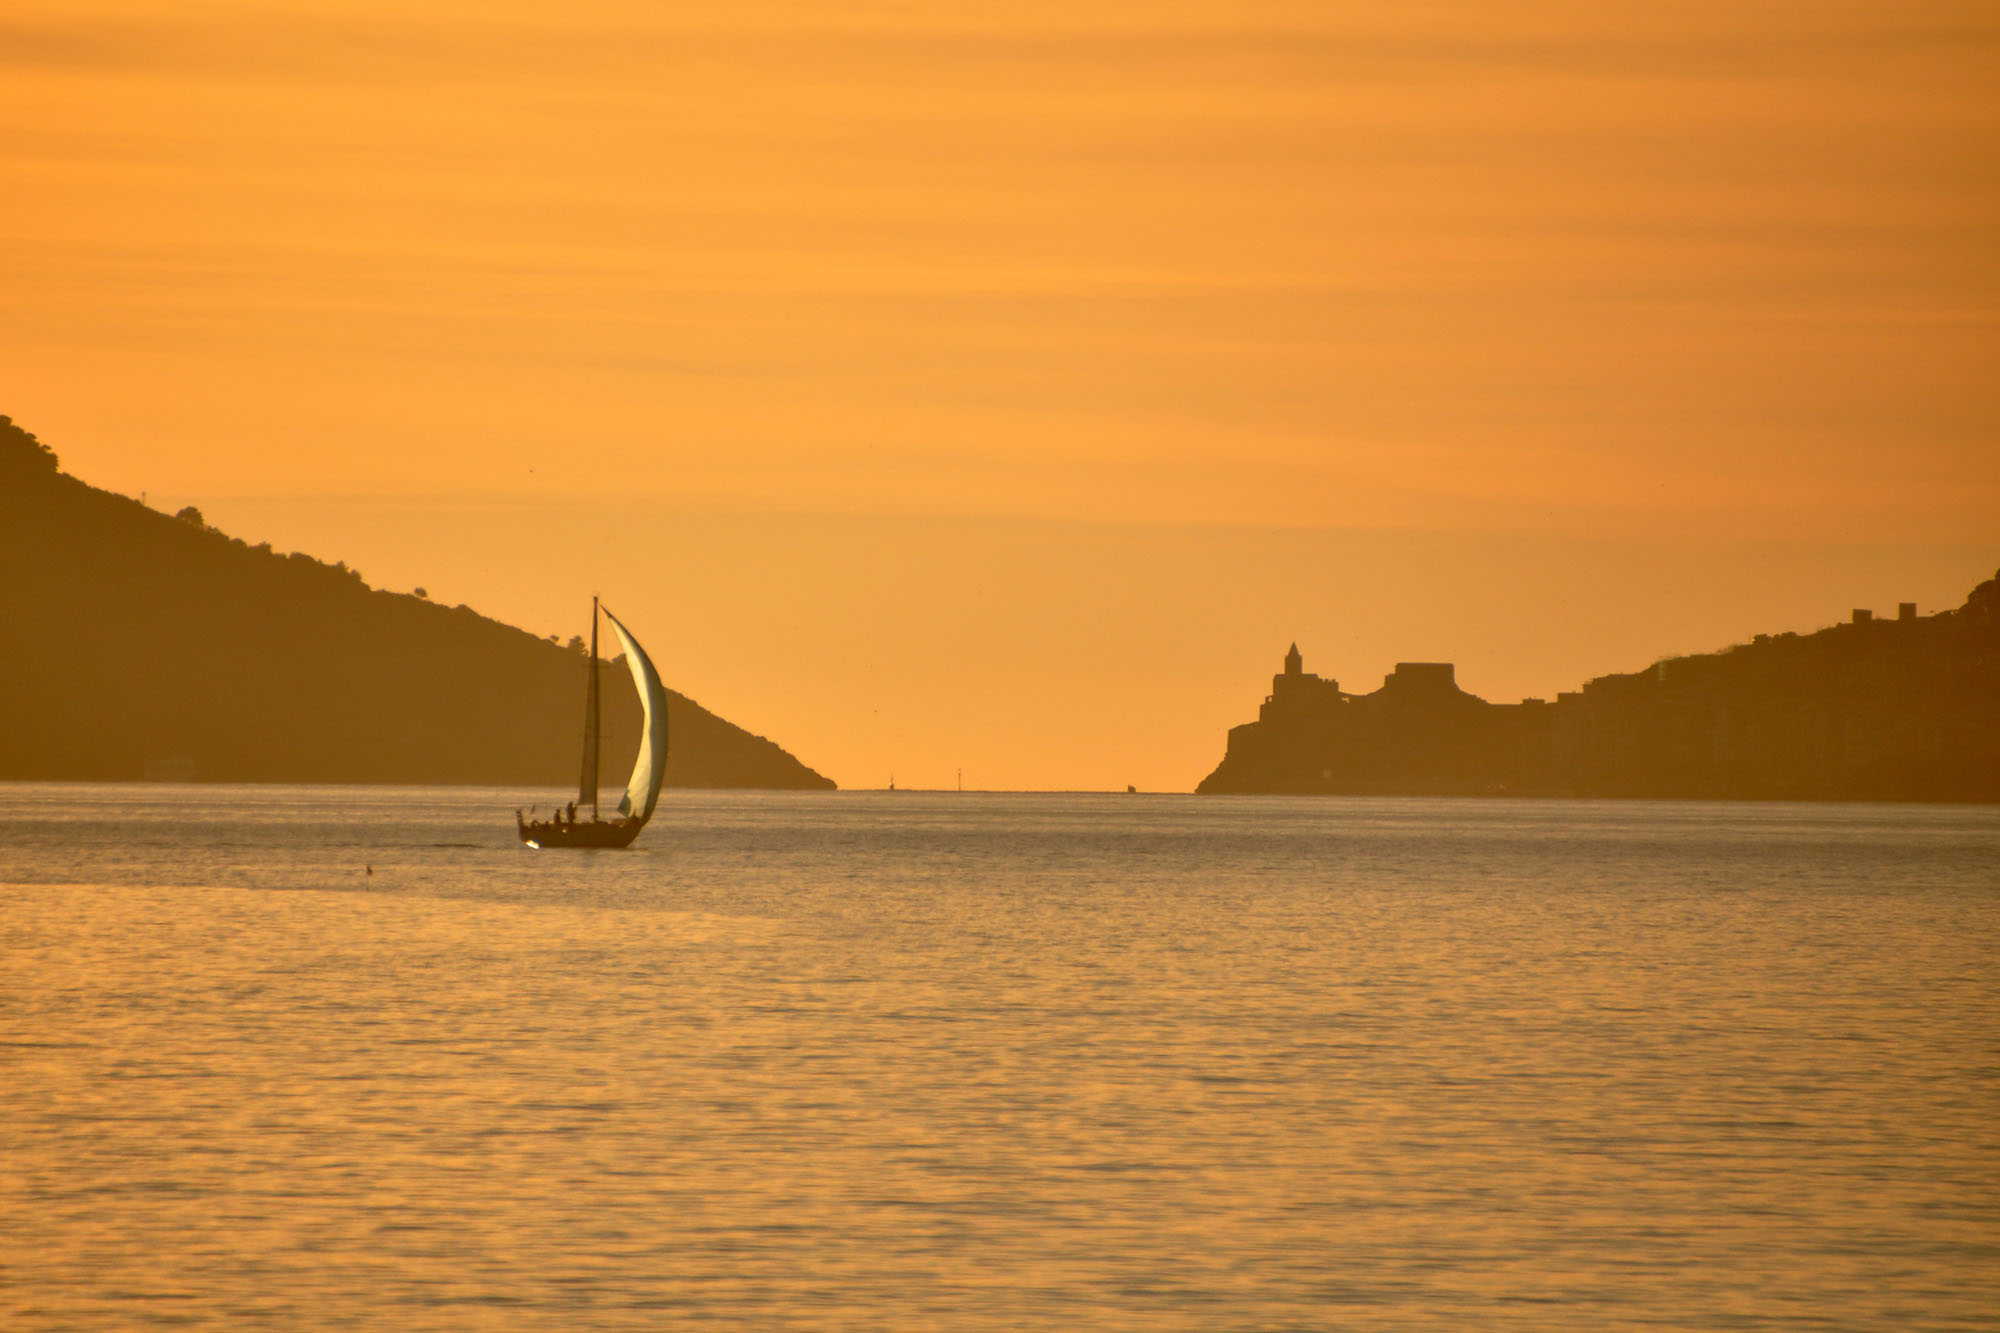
point(1904, 709)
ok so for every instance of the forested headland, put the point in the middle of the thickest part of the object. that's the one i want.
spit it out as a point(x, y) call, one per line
point(137, 643)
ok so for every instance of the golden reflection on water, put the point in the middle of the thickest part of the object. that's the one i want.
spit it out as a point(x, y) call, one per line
point(1374, 1087)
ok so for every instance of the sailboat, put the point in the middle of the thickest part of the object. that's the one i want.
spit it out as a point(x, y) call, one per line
point(642, 792)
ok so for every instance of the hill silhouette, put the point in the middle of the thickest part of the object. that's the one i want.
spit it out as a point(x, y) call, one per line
point(134, 642)
point(1903, 709)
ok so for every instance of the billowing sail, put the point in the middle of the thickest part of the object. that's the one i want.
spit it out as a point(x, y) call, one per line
point(642, 793)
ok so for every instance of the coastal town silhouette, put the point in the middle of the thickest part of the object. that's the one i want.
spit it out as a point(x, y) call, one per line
point(1873, 709)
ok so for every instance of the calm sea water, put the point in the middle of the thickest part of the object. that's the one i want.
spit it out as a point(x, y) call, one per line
point(863, 1061)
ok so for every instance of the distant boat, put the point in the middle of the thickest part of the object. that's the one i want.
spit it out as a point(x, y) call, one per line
point(642, 792)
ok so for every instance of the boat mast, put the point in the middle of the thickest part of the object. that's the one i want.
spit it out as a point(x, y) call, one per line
point(586, 790)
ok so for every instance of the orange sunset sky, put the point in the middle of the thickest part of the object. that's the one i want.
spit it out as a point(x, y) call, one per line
point(1004, 386)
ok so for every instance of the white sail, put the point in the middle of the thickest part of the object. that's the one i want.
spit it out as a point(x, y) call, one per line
point(642, 793)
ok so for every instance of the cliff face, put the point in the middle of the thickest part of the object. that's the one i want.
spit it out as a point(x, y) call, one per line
point(129, 638)
point(1905, 709)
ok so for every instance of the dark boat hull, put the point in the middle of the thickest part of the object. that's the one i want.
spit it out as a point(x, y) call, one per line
point(590, 833)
